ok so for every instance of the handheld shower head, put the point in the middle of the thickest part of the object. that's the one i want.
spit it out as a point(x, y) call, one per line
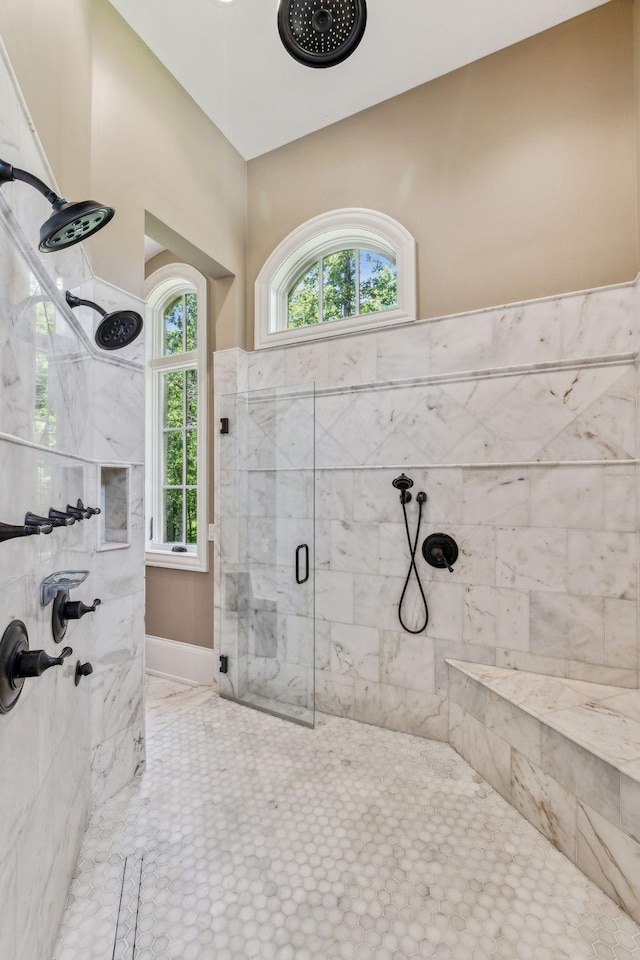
point(403, 482)
point(70, 222)
point(115, 330)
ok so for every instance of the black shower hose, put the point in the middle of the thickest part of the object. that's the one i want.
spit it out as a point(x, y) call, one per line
point(413, 546)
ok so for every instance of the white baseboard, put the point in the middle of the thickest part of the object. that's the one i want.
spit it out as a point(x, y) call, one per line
point(183, 662)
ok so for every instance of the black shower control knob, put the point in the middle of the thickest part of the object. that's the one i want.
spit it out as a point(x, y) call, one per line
point(438, 555)
point(33, 663)
point(76, 609)
point(82, 670)
point(440, 550)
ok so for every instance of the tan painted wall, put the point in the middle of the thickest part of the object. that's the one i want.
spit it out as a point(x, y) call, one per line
point(155, 150)
point(179, 605)
point(116, 125)
point(49, 44)
point(515, 174)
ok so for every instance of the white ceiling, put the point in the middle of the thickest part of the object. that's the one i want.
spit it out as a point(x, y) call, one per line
point(229, 57)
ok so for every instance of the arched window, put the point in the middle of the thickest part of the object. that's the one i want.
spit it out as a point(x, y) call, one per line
point(342, 271)
point(176, 419)
point(345, 283)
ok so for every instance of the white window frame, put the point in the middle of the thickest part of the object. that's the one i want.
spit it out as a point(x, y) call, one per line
point(319, 237)
point(167, 282)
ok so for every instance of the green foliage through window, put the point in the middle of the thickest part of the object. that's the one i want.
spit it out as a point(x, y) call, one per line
point(180, 456)
point(180, 322)
point(344, 284)
point(45, 417)
point(179, 423)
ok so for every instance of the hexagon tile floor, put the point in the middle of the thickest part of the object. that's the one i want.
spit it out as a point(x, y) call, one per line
point(248, 836)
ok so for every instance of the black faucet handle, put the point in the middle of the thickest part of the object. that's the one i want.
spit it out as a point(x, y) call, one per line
point(65, 519)
point(76, 609)
point(88, 511)
point(62, 521)
point(79, 512)
point(45, 523)
point(33, 663)
point(10, 531)
point(438, 555)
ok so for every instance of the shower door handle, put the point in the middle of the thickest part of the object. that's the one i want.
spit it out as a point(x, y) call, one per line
point(305, 547)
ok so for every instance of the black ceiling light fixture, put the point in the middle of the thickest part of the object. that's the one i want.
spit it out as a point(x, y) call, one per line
point(321, 33)
point(115, 330)
point(70, 222)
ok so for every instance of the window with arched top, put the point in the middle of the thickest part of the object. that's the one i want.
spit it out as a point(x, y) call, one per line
point(176, 419)
point(343, 271)
point(343, 284)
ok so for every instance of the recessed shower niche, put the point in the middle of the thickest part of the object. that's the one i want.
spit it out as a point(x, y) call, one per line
point(114, 501)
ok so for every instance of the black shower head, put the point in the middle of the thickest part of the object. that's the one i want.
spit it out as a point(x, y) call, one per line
point(321, 33)
point(70, 222)
point(118, 329)
point(403, 482)
point(115, 330)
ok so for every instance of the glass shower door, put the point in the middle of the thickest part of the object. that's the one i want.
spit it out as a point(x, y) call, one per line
point(267, 506)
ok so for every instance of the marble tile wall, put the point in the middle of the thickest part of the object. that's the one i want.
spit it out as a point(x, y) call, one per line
point(66, 408)
point(520, 424)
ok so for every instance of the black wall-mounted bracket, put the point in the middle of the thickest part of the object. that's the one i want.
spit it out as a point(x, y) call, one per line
point(224, 425)
point(82, 670)
point(224, 664)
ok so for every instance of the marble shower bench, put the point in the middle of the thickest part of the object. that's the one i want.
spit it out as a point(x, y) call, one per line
point(566, 754)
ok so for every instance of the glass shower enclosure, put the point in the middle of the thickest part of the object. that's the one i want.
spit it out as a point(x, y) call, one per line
point(267, 537)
